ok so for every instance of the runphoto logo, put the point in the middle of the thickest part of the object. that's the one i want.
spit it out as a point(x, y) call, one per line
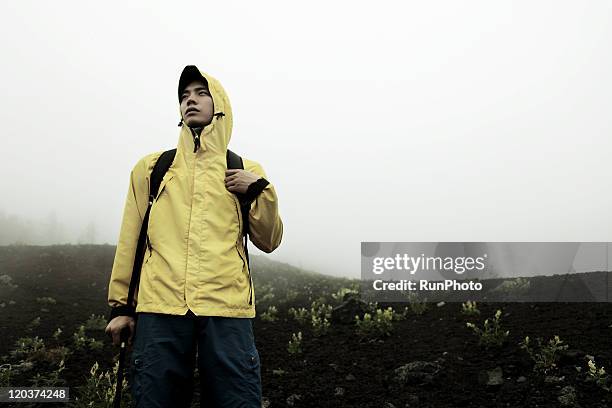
point(458, 264)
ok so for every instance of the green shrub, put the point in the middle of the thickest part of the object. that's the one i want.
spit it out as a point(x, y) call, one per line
point(7, 371)
point(598, 375)
point(516, 286)
point(320, 325)
point(27, 346)
point(320, 315)
point(295, 344)
point(546, 356)
point(279, 372)
point(417, 305)
point(95, 322)
point(46, 300)
point(301, 315)
point(291, 295)
point(81, 340)
point(57, 333)
point(34, 323)
point(492, 333)
point(372, 307)
point(49, 355)
point(339, 295)
point(33, 350)
point(269, 315)
point(51, 379)
point(99, 389)
point(376, 325)
point(321, 310)
point(268, 297)
point(265, 294)
point(79, 337)
point(395, 316)
point(7, 282)
point(399, 316)
point(469, 308)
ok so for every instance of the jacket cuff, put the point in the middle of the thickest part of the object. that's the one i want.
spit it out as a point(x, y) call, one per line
point(122, 310)
point(255, 189)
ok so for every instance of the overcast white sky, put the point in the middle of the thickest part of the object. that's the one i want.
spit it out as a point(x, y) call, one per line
point(387, 121)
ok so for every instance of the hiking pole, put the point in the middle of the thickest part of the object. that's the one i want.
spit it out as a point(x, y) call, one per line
point(125, 332)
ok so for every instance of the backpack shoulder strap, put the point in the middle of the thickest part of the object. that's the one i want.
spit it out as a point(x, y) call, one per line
point(159, 170)
point(234, 161)
point(157, 174)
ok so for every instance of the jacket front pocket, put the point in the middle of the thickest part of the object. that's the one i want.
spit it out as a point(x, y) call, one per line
point(148, 255)
point(148, 266)
point(159, 210)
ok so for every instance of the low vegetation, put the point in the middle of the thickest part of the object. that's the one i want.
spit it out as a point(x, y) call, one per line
point(297, 308)
point(377, 325)
point(492, 334)
point(544, 356)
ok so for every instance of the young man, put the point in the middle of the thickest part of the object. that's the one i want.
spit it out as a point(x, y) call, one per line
point(195, 291)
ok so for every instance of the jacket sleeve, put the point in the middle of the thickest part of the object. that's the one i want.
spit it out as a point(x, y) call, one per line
point(265, 224)
point(133, 213)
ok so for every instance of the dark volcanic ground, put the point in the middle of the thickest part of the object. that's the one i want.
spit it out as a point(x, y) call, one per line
point(337, 369)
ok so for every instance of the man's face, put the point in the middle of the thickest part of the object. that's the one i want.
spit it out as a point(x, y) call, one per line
point(196, 105)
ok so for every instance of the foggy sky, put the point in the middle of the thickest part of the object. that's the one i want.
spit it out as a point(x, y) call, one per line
point(438, 121)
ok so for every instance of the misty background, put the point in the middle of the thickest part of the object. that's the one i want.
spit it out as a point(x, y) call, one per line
point(424, 122)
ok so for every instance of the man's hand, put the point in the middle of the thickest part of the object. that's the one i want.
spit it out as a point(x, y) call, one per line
point(238, 180)
point(114, 328)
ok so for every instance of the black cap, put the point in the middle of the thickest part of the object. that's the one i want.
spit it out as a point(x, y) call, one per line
point(190, 73)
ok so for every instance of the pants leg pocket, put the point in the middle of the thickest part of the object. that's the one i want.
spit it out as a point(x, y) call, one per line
point(252, 376)
point(136, 364)
point(253, 363)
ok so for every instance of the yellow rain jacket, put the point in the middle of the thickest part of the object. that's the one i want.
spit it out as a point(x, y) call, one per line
point(196, 258)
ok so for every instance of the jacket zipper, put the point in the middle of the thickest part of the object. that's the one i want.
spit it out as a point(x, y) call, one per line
point(193, 170)
point(197, 144)
point(240, 225)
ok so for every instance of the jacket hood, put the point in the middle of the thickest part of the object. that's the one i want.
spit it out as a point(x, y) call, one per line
point(215, 136)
